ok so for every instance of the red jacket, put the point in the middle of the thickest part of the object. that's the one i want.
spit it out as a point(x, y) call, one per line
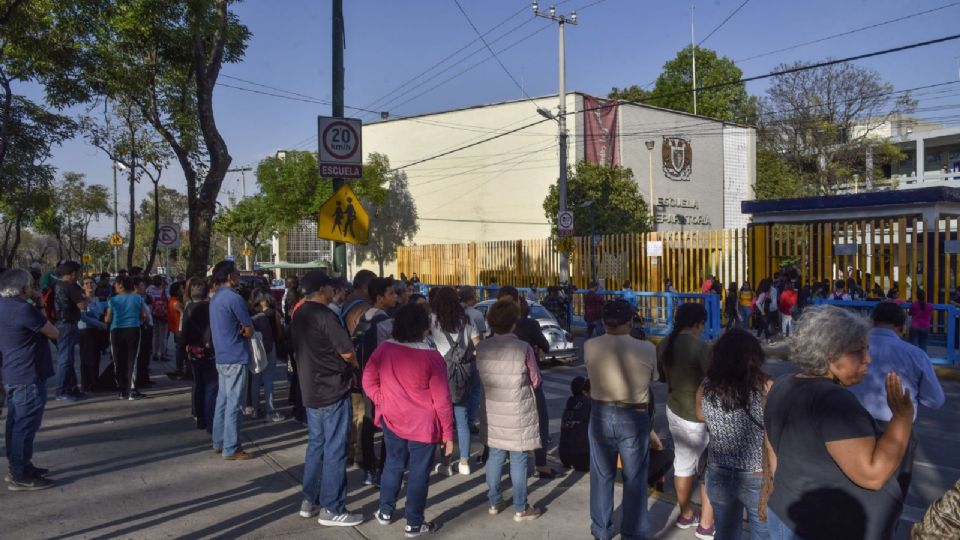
point(408, 384)
point(788, 299)
point(592, 307)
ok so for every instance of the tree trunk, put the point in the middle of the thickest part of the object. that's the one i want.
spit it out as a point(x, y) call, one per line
point(156, 225)
point(207, 63)
point(17, 228)
point(380, 262)
point(133, 215)
point(5, 115)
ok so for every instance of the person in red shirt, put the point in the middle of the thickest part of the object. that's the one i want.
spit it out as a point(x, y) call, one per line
point(788, 300)
point(592, 310)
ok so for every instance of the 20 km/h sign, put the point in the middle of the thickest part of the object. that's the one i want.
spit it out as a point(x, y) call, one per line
point(565, 223)
point(340, 147)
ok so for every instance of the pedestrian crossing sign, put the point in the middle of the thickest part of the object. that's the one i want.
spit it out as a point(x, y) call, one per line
point(343, 219)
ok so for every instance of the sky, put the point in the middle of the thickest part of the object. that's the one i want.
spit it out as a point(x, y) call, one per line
point(615, 43)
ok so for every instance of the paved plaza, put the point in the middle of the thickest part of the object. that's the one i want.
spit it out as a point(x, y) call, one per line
point(140, 470)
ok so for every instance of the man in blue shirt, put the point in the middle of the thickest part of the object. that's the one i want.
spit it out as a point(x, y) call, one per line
point(26, 366)
point(888, 352)
point(230, 330)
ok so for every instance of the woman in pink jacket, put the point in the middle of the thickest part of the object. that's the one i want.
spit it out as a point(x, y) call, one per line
point(407, 381)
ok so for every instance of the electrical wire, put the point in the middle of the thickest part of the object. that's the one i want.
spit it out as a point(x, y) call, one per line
point(723, 22)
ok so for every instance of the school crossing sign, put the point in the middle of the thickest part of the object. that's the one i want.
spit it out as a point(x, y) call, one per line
point(343, 219)
point(340, 149)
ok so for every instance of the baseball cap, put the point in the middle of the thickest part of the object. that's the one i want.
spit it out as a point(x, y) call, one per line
point(314, 280)
point(617, 312)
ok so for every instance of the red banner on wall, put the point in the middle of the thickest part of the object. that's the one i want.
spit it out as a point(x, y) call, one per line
point(601, 131)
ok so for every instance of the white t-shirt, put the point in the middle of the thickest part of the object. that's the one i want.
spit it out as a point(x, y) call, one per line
point(440, 340)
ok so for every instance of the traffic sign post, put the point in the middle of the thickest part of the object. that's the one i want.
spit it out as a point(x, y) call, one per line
point(341, 154)
point(343, 219)
point(565, 223)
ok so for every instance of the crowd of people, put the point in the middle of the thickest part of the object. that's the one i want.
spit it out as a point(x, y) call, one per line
point(823, 453)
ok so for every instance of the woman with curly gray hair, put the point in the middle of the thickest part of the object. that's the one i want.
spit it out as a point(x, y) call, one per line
point(830, 468)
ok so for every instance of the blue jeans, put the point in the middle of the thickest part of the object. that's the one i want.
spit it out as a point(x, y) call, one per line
point(25, 403)
point(518, 477)
point(919, 337)
point(778, 529)
point(744, 317)
point(730, 491)
point(66, 374)
point(420, 456)
point(229, 409)
point(618, 430)
point(463, 430)
point(265, 378)
point(473, 402)
point(325, 465)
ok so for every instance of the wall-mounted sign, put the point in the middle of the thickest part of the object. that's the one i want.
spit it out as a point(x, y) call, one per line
point(677, 158)
point(654, 248)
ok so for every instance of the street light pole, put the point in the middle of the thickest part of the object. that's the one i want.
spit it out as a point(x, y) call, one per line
point(116, 217)
point(243, 195)
point(562, 21)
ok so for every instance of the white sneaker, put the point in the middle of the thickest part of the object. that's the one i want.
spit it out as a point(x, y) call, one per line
point(464, 468)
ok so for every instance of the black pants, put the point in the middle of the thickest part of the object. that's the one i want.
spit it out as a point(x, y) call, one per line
point(91, 344)
point(180, 353)
point(367, 444)
point(298, 413)
point(205, 387)
point(125, 343)
point(540, 454)
point(143, 358)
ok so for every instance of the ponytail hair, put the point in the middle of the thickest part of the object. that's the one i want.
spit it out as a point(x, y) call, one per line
point(688, 315)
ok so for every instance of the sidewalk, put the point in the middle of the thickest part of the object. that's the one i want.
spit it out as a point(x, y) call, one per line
point(141, 470)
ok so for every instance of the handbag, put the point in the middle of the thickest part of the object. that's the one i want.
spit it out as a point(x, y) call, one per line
point(259, 353)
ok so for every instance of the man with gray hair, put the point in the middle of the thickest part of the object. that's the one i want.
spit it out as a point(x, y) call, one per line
point(26, 366)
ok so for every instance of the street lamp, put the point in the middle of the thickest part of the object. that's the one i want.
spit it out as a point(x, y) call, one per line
point(652, 203)
point(561, 118)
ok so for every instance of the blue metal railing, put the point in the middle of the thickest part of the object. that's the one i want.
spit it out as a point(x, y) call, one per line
point(944, 332)
point(657, 308)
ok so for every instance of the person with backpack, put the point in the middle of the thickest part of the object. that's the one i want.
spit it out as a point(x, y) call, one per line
point(373, 328)
point(68, 303)
point(356, 303)
point(730, 402)
point(157, 296)
point(455, 338)
point(407, 381)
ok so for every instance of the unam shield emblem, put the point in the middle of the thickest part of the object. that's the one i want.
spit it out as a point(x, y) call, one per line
point(677, 158)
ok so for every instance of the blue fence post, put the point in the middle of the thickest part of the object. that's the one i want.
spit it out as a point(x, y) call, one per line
point(951, 333)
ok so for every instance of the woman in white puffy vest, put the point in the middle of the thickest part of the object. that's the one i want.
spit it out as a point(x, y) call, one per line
point(509, 373)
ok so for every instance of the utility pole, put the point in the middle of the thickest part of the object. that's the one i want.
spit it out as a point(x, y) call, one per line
point(651, 203)
point(562, 21)
point(243, 195)
point(339, 248)
point(693, 54)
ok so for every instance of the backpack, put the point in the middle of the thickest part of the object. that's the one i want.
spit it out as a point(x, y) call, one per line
point(459, 366)
point(365, 340)
point(158, 307)
point(49, 297)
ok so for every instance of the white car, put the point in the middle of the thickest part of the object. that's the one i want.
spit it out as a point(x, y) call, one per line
point(562, 348)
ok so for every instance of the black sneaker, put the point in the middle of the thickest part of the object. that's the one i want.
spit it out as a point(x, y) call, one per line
point(29, 484)
point(426, 528)
point(135, 395)
point(123, 395)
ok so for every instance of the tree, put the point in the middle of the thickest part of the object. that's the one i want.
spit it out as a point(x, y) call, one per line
point(392, 222)
point(293, 189)
point(75, 206)
point(673, 89)
point(164, 58)
point(251, 219)
point(617, 207)
point(821, 123)
point(127, 139)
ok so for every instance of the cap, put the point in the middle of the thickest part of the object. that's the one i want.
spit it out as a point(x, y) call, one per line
point(314, 280)
point(617, 312)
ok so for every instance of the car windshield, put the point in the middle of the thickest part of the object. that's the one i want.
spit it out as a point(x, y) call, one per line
point(539, 312)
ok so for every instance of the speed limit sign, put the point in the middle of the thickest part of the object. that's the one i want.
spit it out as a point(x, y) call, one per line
point(565, 223)
point(340, 148)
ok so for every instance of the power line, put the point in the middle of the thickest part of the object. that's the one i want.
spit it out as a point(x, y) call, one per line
point(723, 22)
point(848, 32)
point(710, 87)
point(492, 52)
point(295, 97)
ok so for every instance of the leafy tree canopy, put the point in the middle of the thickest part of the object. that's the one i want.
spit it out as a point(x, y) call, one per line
point(393, 221)
point(617, 207)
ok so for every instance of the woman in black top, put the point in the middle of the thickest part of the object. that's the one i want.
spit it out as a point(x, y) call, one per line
point(199, 345)
point(830, 469)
